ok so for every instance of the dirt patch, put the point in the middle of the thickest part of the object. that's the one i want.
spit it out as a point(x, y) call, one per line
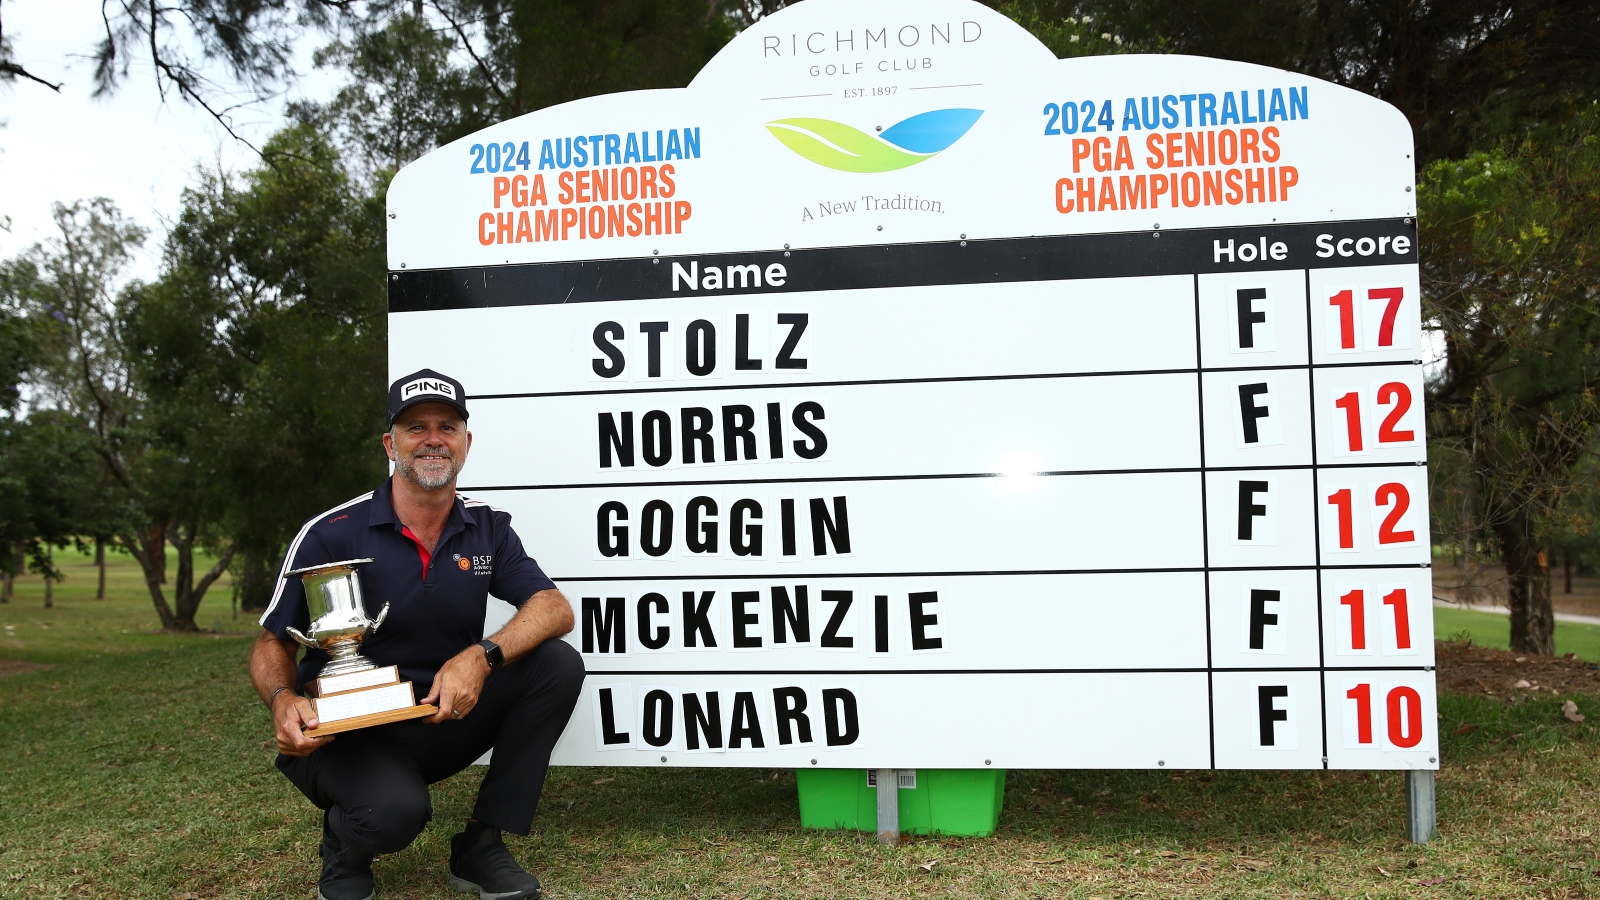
point(17, 667)
point(1467, 669)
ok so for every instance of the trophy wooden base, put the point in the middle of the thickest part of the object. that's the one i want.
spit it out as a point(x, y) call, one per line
point(363, 699)
point(382, 718)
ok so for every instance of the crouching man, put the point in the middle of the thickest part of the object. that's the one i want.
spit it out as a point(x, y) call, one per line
point(437, 557)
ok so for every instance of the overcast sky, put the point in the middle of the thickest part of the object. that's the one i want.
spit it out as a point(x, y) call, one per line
point(130, 147)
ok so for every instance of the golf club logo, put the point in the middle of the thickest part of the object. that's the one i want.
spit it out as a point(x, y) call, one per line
point(906, 143)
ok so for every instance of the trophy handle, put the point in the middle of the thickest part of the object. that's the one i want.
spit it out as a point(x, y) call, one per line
point(379, 620)
point(304, 641)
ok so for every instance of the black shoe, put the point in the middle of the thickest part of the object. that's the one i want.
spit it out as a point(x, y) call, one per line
point(346, 874)
point(481, 864)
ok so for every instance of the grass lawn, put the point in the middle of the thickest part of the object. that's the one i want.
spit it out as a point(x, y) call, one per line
point(139, 765)
point(1492, 630)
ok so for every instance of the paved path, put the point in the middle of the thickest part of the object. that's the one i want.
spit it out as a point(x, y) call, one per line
point(1502, 611)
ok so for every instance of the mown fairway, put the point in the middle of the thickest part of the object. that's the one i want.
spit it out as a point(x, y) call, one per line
point(139, 765)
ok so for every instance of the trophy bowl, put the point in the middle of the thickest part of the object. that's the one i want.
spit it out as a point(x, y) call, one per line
point(338, 616)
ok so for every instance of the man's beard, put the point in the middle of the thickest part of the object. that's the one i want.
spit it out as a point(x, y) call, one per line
point(430, 475)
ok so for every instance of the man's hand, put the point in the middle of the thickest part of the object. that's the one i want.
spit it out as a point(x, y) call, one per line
point(292, 714)
point(458, 684)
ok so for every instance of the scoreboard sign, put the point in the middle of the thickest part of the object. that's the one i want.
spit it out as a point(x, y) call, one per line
point(899, 395)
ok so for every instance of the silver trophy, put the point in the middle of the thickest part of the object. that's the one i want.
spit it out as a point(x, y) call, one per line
point(338, 618)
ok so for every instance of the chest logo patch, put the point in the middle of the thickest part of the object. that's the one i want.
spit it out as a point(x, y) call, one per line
point(463, 563)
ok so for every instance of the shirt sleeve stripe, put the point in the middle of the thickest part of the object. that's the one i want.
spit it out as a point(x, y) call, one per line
point(294, 547)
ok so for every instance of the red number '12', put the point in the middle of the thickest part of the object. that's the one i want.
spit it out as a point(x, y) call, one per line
point(1347, 529)
point(1402, 618)
point(1401, 395)
point(1345, 301)
point(1362, 695)
point(1397, 493)
point(1351, 404)
point(1386, 327)
point(1356, 600)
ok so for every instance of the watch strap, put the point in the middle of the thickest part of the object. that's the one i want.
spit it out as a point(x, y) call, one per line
point(492, 654)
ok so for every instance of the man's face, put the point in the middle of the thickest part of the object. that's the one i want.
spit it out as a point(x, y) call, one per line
point(429, 444)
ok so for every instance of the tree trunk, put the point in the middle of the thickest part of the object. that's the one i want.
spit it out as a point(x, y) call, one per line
point(158, 553)
point(1566, 567)
point(49, 582)
point(100, 563)
point(6, 579)
point(258, 577)
point(19, 563)
point(187, 592)
point(1533, 621)
point(151, 557)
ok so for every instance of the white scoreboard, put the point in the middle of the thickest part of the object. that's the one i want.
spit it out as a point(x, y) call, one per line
point(899, 395)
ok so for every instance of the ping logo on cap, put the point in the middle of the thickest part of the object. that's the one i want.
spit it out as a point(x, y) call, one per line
point(428, 386)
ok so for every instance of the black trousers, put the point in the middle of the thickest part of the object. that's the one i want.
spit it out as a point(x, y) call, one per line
point(373, 782)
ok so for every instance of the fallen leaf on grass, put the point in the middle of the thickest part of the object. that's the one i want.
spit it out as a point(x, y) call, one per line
point(185, 895)
point(602, 780)
point(1253, 865)
point(1522, 684)
point(1046, 862)
point(1165, 853)
point(927, 867)
point(1440, 880)
point(1465, 729)
point(1384, 871)
point(1570, 710)
point(1574, 865)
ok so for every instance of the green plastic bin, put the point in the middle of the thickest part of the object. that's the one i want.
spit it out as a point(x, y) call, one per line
point(960, 802)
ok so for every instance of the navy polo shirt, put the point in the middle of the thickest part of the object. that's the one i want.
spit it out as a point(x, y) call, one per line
point(431, 617)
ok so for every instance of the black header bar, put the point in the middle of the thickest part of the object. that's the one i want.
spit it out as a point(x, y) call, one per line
point(1120, 255)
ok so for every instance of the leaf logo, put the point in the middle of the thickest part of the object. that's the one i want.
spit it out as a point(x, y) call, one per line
point(906, 143)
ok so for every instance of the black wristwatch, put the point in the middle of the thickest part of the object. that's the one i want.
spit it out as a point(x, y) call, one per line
point(492, 654)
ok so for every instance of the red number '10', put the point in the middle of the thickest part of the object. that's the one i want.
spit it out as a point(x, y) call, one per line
point(1403, 708)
